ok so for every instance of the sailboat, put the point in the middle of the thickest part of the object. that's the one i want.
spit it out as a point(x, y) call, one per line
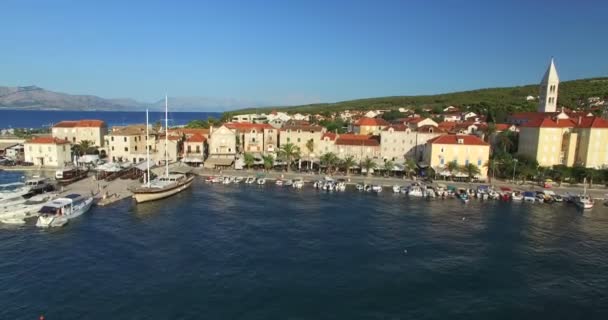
point(166, 185)
point(584, 201)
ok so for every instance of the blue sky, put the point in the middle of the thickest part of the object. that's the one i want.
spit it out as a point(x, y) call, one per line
point(292, 52)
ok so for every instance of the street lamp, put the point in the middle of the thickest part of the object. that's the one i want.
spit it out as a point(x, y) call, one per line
point(514, 165)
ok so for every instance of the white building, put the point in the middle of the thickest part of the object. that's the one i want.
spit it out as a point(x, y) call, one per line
point(48, 152)
point(548, 90)
point(222, 147)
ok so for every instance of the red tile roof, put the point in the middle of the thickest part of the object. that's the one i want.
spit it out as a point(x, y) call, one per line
point(350, 139)
point(453, 139)
point(247, 126)
point(502, 126)
point(365, 121)
point(306, 128)
point(48, 140)
point(396, 127)
point(80, 124)
point(190, 131)
point(549, 123)
point(431, 129)
point(592, 122)
point(332, 136)
point(414, 120)
point(196, 138)
point(447, 125)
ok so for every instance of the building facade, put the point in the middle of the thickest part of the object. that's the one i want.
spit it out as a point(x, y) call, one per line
point(371, 126)
point(78, 131)
point(128, 144)
point(462, 149)
point(48, 152)
point(300, 135)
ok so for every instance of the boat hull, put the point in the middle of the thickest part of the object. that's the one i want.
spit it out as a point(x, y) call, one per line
point(147, 196)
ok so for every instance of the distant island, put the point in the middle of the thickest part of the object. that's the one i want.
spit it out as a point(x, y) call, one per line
point(519, 98)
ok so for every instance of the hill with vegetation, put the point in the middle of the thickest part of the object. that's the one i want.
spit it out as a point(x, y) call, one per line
point(499, 100)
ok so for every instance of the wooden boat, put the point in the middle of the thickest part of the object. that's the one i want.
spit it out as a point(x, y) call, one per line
point(70, 175)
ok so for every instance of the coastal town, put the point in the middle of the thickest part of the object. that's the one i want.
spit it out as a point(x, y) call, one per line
point(555, 145)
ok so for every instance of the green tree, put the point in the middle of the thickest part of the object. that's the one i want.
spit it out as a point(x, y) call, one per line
point(84, 147)
point(197, 124)
point(504, 141)
point(410, 166)
point(490, 131)
point(310, 146)
point(471, 170)
point(369, 165)
point(249, 160)
point(288, 152)
point(268, 161)
point(388, 167)
point(330, 160)
point(452, 167)
point(392, 115)
point(348, 163)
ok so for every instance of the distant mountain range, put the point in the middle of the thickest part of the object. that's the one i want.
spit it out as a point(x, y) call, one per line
point(36, 98)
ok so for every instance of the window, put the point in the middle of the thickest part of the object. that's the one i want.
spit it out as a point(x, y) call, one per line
point(253, 139)
point(198, 149)
point(112, 139)
point(298, 139)
point(288, 140)
point(466, 162)
point(479, 162)
point(125, 139)
point(135, 148)
point(190, 149)
point(442, 161)
point(126, 148)
point(112, 148)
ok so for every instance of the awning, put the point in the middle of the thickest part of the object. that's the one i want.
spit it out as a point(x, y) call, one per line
point(144, 165)
point(213, 161)
point(192, 160)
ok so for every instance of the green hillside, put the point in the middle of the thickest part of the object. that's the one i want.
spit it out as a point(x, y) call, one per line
point(500, 100)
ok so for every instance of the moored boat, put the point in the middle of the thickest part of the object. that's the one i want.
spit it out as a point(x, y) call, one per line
point(298, 183)
point(58, 212)
point(70, 175)
point(396, 189)
point(27, 209)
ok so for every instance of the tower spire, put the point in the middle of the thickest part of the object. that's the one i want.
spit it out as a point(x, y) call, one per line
point(549, 89)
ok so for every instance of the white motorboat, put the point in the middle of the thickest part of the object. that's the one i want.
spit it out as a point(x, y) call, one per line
point(359, 187)
point(288, 183)
point(341, 185)
point(261, 181)
point(13, 192)
point(58, 212)
point(27, 209)
point(226, 180)
point(415, 191)
point(238, 180)
point(250, 180)
point(529, 196)
point(517, 196)
point(279, 182)
point(396, 189)
point(377, 188)
point(38, 185)
point(584, 201)
point(166, 185)
point(298, 183)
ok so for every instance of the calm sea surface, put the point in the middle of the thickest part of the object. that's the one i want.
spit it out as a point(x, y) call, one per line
point(251, 252)
point(38, 119)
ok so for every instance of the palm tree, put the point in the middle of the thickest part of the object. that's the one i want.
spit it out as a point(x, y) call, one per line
point(452, 166)
point(84, 147)
point(289, 152)
point(348, 163)
point(410, 166)
point(369, 164)
point(504, 140)
point(493, 168)
point(490, 131)
point(389, 166)
point(249, 160)
point(268, 161)
point(471, 170)
point(310, 146)
point(330, 160)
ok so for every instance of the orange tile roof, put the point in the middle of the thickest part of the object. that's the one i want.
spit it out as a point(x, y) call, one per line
point(357, 140)
point(332, 136)
point(453, 139)
point(430, 129)
point(48, 140)
point(549, 123)
point(80, 124)
point(396, 127)
point(196, 138)
point(365, 121)
point(311, 128)
point(502, 126)
point(447, 125)
point(247, 126)
point(592, 122)
point(190, 131)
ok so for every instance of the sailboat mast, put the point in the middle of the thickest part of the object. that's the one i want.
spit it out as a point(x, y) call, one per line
point(147, 149)
point(166, 136)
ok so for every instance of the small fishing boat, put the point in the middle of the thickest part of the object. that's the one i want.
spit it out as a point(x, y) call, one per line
point(279, 182)
point(288, 183)
point(464, 197)
point(261, 181)
point(396, 189)
point(584, 201)
point(59, 211)
point(250, 180)
point(238, 180)
point(377, 188)
point(27, 209)
point(298, 183)
point(70, 175)
point(517, 196)
point(341, 186)
point(415, 191)
point(529, 196)
point(359, 187)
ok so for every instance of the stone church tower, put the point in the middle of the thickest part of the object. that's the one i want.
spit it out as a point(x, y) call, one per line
point(548, 90)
